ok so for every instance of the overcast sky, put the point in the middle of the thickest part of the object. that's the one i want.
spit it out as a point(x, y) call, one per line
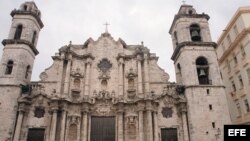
point(132, 20)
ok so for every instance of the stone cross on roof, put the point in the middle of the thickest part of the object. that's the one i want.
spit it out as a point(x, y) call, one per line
point(106, 27)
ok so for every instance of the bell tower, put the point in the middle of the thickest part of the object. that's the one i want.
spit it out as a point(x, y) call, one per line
point(17, 62)
point(197, 69)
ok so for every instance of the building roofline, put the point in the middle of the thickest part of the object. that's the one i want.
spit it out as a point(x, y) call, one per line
point(178, 16)
point(238, 13)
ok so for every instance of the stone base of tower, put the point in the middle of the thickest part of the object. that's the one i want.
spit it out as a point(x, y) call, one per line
point(8, 111)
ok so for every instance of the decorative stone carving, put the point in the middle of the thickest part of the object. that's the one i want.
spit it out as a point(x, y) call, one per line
point(39, 112)
point(74, 119)
point(131, 74)
point(103, 95)
point(131, 83)
point(75, 94)
point(104, 65)
point(77, 73)
point(104, 76)
point(43, 76)
point(131, 118)
point(180, 89)
point(103, 109)
point(167, 112)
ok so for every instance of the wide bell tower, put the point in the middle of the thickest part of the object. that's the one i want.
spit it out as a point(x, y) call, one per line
point(16, 65)
point(197, 69)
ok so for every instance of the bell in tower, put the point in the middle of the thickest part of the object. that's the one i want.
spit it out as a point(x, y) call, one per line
point(195, 33)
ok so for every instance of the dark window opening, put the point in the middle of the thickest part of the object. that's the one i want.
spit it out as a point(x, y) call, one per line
point(208, 91)
point(36, 134)
point(176, 38)
point(202, 70)
point(243, 53)
point(27, 72)
point(25, 7)
point(213, 124)
point(195, 33)
point(179, 68)
point(241, 81)
point(9, 67)
point(34, 37)
point(18, 32)
point(247, 105)
point(235, 60)
point(190, 12)
point(233, 85)
point(210, 107)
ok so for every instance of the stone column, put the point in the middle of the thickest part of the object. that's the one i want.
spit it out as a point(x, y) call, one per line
point(67, 77)
point(53, 125)
point(141, 135)
point(84, 130)
point(87, 78)
point(59, 84)
point(146, 74)
point(63, 124)
point(18, 125)
point(139, 74)
point(156, 135)
point(120, 126)
point(150, 121)
point(184, 125)
point(120, 67)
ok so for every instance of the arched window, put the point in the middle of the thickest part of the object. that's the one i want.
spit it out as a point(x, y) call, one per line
point(9, 67)
point(195, 33)
point(34, 37)
point(27, 71)
point(18, 33)
point(202, 70)
point(190, 12)
point(25, 7)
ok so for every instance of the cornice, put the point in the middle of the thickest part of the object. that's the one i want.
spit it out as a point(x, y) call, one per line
point(20, 41)
point(236, 16)
point(234, 44)
point(188, 43)
point(178, 16)
point(30, 13)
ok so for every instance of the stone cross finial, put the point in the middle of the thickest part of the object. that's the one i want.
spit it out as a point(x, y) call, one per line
point(106, 27)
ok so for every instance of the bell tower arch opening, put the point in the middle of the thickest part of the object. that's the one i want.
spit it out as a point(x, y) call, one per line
point(195, 33)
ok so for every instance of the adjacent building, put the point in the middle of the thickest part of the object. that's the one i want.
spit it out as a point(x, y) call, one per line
point(108, 90)
point(233, 53)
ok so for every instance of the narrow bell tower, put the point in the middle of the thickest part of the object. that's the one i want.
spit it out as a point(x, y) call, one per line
point(197, 69)
point(17, 62)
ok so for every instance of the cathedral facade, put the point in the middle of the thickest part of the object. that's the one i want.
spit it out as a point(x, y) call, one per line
point(107, 90)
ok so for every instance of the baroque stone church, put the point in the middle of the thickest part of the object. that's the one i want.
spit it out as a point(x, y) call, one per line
point(108, 90)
